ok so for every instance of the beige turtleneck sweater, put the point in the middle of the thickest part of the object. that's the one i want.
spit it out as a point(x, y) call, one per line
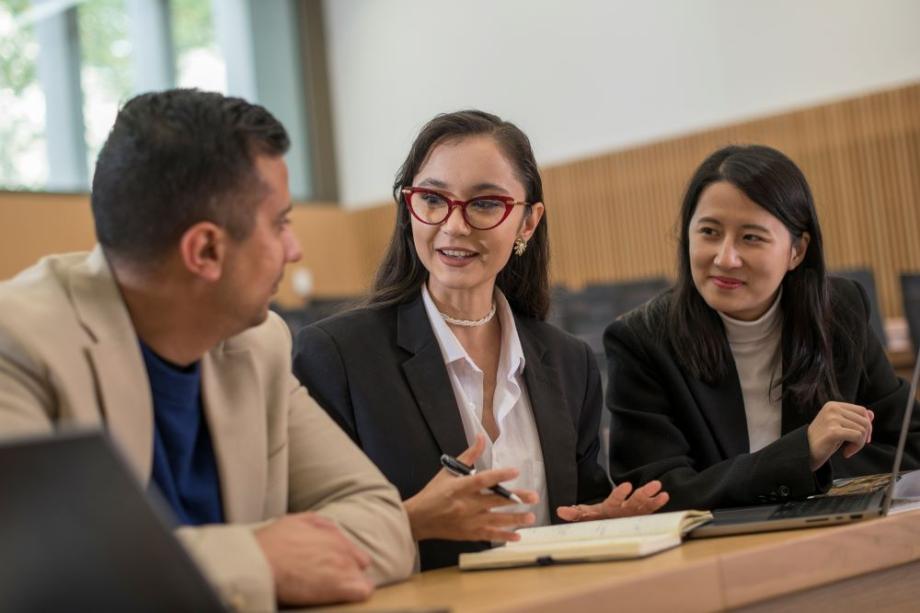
point(755, 346)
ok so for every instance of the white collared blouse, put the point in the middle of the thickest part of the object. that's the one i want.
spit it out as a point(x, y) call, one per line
point(518, 443)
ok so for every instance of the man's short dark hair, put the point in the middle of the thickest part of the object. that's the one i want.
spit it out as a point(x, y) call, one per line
point(176, 158)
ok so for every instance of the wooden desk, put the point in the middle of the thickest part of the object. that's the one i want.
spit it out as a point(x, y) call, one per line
point(867, 566)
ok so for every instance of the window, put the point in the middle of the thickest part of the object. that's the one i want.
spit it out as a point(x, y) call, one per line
point(199, 62)
point(23, 164)
point(106, 77)
point(66, 67)
point(34, 156)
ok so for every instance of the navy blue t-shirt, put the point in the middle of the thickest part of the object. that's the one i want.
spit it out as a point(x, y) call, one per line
point(184, 467)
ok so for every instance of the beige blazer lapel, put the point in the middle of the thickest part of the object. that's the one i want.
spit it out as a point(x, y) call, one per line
point(234, 407)
point(125, 399)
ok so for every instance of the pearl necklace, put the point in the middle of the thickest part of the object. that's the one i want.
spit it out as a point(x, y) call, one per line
point(469, 323)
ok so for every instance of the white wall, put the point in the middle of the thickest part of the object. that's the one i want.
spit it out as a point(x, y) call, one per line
point(588, 76)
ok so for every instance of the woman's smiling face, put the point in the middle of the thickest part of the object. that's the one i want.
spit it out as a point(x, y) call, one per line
point(458, 257)
point(739, 252)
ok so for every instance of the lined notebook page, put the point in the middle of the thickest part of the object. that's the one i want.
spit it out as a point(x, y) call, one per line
point(662, 523)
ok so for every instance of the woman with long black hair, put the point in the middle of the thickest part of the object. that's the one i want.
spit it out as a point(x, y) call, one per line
point(756, 377)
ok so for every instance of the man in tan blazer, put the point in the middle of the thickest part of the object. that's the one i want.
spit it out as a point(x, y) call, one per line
point(191, 205)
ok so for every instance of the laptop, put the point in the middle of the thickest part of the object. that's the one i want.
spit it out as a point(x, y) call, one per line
point(828, 510)
point(77, 533)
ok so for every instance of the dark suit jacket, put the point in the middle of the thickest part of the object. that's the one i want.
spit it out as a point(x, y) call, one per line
point(380, 374)
point(671, 426)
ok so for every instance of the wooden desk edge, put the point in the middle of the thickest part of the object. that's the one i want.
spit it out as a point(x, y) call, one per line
point(820, 557)
point(702, 575)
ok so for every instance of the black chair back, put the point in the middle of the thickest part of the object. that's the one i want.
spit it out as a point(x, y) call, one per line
point(587, 313)
point(317, 309)
point(910, 291)
point(864, 277)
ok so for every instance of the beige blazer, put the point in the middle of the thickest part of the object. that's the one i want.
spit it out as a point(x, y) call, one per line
point(69, 356)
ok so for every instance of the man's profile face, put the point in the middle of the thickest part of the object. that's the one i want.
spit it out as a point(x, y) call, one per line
point(255, 265)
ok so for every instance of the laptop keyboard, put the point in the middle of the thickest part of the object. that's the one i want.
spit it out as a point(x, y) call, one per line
point(826, 505)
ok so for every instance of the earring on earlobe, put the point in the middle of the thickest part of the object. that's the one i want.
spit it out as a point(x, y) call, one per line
point(520, 246)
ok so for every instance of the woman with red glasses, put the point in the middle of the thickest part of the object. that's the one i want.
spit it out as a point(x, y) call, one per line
point(451, 353)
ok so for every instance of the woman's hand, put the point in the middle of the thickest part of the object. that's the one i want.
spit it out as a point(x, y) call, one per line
point(458, 508)
point(838, 424)
point(647, 499)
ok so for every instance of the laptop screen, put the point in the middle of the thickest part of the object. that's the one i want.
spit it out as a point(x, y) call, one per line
point(79, 534)
point(902, 439)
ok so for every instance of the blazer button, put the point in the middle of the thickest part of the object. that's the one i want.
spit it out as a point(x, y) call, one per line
point(783, 491)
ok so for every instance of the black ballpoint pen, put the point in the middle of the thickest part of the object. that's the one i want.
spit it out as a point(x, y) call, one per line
point(460, 469)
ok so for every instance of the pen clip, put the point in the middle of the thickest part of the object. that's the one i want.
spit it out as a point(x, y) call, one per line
point(456, 466)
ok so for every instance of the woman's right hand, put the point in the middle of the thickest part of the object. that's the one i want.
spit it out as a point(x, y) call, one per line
point(460, 508)
point(838, 424)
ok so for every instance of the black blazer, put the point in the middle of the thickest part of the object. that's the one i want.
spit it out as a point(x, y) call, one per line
point(379, 373)
point(671, 426)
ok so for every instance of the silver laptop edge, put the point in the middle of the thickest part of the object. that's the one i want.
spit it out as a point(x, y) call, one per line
point(902, 438)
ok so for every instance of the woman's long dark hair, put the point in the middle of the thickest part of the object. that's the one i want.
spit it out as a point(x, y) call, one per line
point(695, 330)
point(525, 279)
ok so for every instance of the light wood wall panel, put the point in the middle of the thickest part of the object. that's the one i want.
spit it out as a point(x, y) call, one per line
point(613, 217)
point(374, 229)
point(34, 225)
point(331, 252)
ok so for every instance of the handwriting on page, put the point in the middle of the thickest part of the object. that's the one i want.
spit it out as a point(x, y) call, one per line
point(604, 529)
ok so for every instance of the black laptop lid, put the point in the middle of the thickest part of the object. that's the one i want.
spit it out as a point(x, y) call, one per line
point(78, 533)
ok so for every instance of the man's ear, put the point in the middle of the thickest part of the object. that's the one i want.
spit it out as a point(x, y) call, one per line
point(799, 248)
point(203, 250)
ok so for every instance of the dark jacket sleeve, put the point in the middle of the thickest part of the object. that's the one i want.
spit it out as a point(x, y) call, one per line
point(593, 483)
point(880, 390)
point(319, 367)
point(658, 432)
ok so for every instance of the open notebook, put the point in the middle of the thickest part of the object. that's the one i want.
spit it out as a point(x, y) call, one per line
point(590, 541)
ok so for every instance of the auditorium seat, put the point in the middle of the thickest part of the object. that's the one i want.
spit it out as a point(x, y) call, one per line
point(864, 277)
